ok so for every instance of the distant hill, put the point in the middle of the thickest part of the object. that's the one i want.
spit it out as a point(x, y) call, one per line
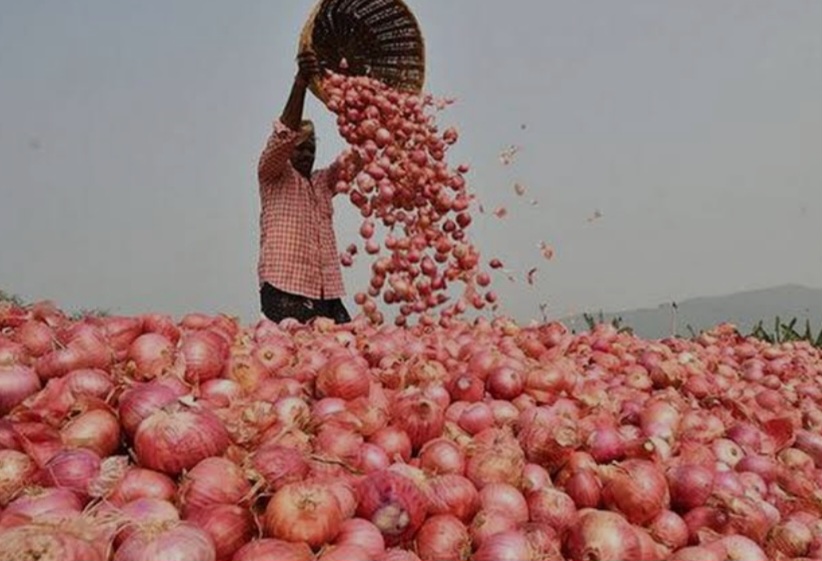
point(744, 309)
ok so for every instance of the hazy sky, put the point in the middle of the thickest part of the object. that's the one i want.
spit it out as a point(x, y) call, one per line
point(130, 133)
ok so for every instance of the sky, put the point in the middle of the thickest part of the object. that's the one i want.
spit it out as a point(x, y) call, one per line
point(130, 134)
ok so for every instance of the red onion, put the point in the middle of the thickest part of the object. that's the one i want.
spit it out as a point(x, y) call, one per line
point(372, 458)
point(345, 377)
point(304, 512)
point(393, 503)
point(178, 438)
point(162, 325)
point(142, 514)
point(394, 440)
point(139, 483)
point(511, 545)
point(637, 489)
point(466, 388)
point(604, 536)
point(552, 506)
point(670, 530)
point(505, 383)
point(727, 451)
point(142, 401)
point(221, 392)
point(421, 418)
point(690, 486)
point(345, 552)
point(362, 533)
point(121, 332)
point(548, 439)
point(212, 481)
point(205, 354)
point(660, 418)
point(697, 553)
point(16, 471)
point(496, 458)
point(476, 418)
point(811, 444)
point(152, 354)
point(268, 549)
point(181, 542)
point(606, 445)
point(489, 522)
point(229, 526)
point(89, 381)
point(453, 494)
point(280, 465)
point(36, 337)
point(97, 430)
point(790, 538)
point(17, 382)
point(585, 489)
point(35, 503)
point(72, 469)
point(442, 456)
point(740, 548)
point(47, 544)
point(534, 477)
point(505, 498)
point(443, 537)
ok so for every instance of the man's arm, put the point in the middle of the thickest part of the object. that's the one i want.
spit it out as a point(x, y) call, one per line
point(281, 143)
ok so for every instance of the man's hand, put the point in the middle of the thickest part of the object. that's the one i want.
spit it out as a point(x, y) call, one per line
point(308, 67)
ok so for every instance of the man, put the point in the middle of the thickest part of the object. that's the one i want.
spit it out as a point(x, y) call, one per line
point(299, 265)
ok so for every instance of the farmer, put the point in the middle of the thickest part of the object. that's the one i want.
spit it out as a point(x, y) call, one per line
point(299, 266)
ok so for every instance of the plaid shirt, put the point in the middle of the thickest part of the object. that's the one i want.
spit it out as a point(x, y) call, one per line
point(298, 249)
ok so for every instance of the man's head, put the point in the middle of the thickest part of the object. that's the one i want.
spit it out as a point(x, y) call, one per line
point(306, 150)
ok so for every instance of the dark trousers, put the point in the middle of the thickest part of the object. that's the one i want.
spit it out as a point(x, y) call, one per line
point(278, 305)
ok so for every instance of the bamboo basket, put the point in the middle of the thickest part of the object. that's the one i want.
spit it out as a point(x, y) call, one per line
point(377, 38)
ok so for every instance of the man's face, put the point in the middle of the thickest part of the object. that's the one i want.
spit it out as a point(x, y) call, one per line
point(304, 153)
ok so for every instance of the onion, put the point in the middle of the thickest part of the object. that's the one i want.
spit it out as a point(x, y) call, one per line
point(89, 381)
point(212, 481)
point(585, 489)
point(121, 332)
point(304, 512)
point(548, 439)
point(268, 549)
point(727, 451)
point(790, 538)
point(393, 503)
point(552, 506)
point(690, 486)
point(534, 477)
point(740, 548)
point(505, 383)
point(697, 553)
point(604, 536)
point(139, 483)
point(442, 456)
point(670, 530)
point(505, 546)
point(221, 392)
point(36, 542)
point(142, 514)
point(204, 353)
point(811, 444)
point(497, 458)
point(443, 537)
point(344, 377)
point(36, 503)
point(363, 534)
point(395, 441)
point(97, 430)
point(162, 325)
point(17, 382)
point(153, 354)
point(16, 471)
point(476, 418)
point(181, 542)
point(453, 494)
point(36, 337)
point(178, 438)
point(421, 418)
point(505, 498)
point(229, 526)
point(280, 465)
point(637, 489)
point(606, 445)
point(72, 469)
point(372, 458)
point(489, 522)
point(466, 388)
point(142, 401)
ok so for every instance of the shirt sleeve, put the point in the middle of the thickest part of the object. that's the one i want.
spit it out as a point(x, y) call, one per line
point(277, 152)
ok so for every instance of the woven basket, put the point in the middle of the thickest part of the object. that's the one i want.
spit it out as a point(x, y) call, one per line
point(377, 38)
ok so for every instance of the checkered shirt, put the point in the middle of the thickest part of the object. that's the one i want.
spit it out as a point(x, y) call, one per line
point(298, 249)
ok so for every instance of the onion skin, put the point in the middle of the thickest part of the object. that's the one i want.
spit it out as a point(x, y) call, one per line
point(49, 544)
point(638, 489)
point(97, 430)
point(17, 382)
point(16, 471)
point(229, 526)
point(506, 546)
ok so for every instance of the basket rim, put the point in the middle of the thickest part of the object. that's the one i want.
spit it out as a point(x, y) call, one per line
point(306, 43)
